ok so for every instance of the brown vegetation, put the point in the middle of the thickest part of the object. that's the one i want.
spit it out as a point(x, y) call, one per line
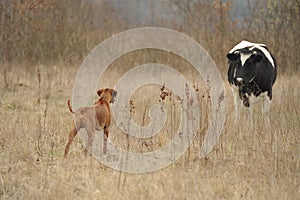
point(42, 45)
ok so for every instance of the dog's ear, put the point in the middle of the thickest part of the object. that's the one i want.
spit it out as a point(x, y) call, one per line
point(113, 95)
point(99, 92)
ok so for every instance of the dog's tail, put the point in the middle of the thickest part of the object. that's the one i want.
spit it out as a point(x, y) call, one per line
point(70, 108)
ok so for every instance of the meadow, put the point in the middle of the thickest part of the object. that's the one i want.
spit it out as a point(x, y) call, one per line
point(258, 162)
point(43, 43)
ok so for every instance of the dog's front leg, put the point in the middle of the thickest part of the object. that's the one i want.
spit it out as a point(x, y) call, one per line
point(105, 139)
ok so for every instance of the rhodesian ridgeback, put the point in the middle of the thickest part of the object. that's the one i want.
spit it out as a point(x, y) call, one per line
point(96, 117)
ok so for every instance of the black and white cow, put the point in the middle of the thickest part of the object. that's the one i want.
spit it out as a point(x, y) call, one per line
point(251, 74)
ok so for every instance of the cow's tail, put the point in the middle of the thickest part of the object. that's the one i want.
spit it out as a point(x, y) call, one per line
point(70, 108)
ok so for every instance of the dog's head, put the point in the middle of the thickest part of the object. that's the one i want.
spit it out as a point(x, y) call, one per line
point(107, 94)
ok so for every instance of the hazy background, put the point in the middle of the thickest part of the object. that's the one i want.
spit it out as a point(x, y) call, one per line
point(48, 31)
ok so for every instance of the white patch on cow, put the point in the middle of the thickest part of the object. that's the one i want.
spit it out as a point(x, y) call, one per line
point(265, 107)
point(253, 99)
point(244, 57)
point(243, 44)
point(239, 79)
point(266, 53)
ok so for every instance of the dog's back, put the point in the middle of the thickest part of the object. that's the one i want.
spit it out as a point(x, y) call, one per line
point(103, 113)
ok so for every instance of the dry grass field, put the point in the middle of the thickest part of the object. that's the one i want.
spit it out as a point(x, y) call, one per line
point(43, 42)
point(247, 163)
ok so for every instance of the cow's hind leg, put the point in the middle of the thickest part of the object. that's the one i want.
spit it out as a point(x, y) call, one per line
point(266, 107)
point(267, 103)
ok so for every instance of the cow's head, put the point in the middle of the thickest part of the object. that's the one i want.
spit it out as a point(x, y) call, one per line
point(245, 61)
point(245, 56)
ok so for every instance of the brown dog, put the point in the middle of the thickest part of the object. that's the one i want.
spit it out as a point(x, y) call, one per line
point(92, 118)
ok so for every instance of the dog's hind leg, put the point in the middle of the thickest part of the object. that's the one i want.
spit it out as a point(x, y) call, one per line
point(91, 134)
point(72, 135)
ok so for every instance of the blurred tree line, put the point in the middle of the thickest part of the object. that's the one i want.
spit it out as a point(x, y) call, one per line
point(273, 22)
point(48, 31)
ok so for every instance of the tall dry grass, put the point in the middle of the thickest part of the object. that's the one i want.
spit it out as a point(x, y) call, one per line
point(248, 162)
point(38, 70)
